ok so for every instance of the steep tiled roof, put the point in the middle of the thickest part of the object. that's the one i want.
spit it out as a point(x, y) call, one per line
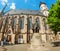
point(33, 12)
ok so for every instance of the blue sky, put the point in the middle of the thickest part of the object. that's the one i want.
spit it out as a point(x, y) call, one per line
point(24, 4)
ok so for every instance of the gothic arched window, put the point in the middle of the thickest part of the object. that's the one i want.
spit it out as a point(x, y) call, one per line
point(21, 22)
point(7, 20)
point(45, 26)
point(14, 21)
point(36, 26)
point(38, 22)
point(29, 24)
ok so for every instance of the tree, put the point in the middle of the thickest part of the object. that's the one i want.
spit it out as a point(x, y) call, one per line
point(53, 19)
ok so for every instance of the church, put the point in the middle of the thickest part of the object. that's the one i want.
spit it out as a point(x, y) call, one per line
point(19, 26)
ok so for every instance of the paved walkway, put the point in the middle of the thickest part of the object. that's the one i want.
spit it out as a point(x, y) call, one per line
point(25, 47)
point(19, 47)
point(37, 45)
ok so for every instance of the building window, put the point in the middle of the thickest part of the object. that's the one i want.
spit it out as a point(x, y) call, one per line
point(21, 22)
point(14, 21)
point(38, 22)
point(29, 23)
point(36, 26)
point(7, 20)
point(45, 26)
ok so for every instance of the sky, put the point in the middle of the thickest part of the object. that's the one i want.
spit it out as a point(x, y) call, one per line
point(24, 4)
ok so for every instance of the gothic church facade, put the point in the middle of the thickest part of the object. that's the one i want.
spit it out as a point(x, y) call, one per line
point(18, 26)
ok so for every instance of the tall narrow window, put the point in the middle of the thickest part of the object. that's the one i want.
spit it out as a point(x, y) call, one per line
point(36, 26)
point(22, 22)
point(14, 21)
point(45, 26)
point(38, 23)
point(7, 21)
point(29, 24)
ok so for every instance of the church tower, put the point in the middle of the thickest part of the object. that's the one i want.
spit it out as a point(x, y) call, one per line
point(43, 8)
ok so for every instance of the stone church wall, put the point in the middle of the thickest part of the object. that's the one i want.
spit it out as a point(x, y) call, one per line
point(17, 33)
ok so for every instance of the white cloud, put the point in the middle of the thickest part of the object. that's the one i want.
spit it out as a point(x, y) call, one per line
point(13, 6)
point(3, 2)
point(25, 1)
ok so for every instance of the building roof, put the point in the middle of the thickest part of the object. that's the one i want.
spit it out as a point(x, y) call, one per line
point(16, 12)
point(41, 3)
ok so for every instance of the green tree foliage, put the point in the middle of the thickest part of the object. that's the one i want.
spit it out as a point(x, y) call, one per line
point(53, 19)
